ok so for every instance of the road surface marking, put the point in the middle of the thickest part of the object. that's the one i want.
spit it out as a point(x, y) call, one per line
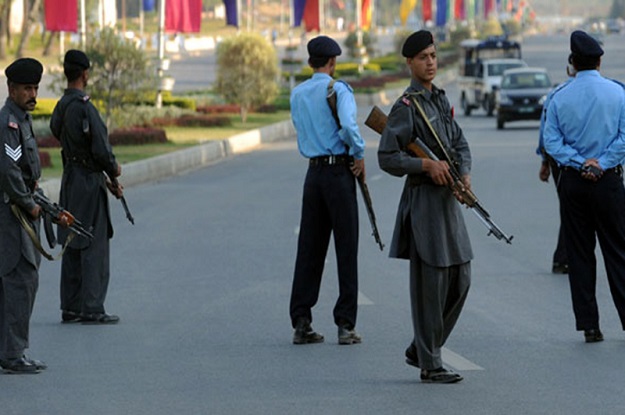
point(363, 299)
point(458, 362)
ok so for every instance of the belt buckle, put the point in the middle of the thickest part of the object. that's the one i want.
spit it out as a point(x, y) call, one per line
point(332, 159)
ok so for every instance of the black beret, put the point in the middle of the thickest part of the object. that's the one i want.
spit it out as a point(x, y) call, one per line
point(77, 57)
point(323, 47)
point(416, 42)
point(24, 71)
point(585, 45)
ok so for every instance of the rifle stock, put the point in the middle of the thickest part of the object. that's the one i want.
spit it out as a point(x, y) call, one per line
point(377, 120)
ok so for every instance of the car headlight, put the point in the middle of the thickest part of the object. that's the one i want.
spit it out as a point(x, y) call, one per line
point(542, 100)
point(504, 99)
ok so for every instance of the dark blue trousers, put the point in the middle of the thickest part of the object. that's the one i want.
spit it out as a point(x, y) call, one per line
point(329, 207)
point(593, 211)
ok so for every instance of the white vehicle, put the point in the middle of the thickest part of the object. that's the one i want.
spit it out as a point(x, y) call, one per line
point(482, 63)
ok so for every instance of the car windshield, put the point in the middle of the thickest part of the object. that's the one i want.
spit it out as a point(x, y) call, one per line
point(496, 69)
point(525, 80)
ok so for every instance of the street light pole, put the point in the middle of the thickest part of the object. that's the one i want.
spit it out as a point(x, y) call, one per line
point(83, 26)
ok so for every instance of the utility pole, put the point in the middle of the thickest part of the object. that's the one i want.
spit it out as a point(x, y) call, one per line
point(161, 52)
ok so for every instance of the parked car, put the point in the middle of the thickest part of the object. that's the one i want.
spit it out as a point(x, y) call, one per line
point(522, 94)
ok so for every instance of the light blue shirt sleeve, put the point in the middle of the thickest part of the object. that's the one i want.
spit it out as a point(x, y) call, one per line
point(347, 112)
point(587, 120)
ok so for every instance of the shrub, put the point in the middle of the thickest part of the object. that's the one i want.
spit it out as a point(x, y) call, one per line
point(44, 159)
point(48, 141)
point(368, 41)
point(219, 109)
point(203, 121)
point(137, 135)
point(44, 108)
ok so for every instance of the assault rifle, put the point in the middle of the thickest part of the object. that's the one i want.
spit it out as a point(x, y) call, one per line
point(377, 121)
point(60, 216)
point(364, 189)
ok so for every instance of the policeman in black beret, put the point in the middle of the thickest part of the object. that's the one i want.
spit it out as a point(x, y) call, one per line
point(584, 134)
point(429, 228)
point(87, 154)
point(19, 259)
point(330, 139)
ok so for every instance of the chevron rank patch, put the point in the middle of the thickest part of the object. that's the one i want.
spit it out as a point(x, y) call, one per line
point(14, 154)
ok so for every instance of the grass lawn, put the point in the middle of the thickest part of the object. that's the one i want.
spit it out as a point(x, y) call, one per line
point(193, 135)
point(179, 138)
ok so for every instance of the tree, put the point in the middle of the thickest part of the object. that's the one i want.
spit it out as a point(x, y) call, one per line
point(31, 16)
point(247, 71)
point(120, 72)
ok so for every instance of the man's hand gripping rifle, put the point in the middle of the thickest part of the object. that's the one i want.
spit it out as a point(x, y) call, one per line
point(377, 121)
point(60, 216)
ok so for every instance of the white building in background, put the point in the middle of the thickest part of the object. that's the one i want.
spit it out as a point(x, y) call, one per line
point(17, 16)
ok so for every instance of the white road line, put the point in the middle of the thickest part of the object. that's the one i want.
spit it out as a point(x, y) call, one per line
point(363, 299)
point(458, 362)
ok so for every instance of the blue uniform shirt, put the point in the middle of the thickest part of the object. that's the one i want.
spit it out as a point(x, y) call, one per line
point(586, 119)
point(317, 131)
point(543, 118)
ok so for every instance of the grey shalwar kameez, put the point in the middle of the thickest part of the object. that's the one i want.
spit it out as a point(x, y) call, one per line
point(430, 228)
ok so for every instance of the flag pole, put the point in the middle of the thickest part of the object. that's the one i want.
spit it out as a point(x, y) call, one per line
point(161, 52)
point(83, 26)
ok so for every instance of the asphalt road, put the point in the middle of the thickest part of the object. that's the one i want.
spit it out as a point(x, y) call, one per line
point(202, 285)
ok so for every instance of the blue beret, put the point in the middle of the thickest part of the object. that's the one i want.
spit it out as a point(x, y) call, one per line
point(585, 45)
point(77, 57)
point(323, 47)
point(24, 71)
point(416, 42)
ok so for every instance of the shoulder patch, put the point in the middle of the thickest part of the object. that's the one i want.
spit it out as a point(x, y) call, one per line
point(13, 125)
point(406, 101)
point(86, 98)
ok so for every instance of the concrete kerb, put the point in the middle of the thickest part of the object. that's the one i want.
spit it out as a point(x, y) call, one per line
point(182, 161)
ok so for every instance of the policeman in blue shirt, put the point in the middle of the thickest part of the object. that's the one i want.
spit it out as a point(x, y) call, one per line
point(585, 134)
point(335, 151)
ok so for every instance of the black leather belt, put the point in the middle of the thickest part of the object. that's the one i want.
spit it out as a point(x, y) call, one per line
point(618, 170)
point(342, 159)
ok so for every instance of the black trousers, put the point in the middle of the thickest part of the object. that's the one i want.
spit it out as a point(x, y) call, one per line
point(591, 211)
point(18, 290)
point(329, 206)
point(85, 273)
point(559, 255)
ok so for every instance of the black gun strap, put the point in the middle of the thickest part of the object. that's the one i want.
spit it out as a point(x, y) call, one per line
point(33, 235)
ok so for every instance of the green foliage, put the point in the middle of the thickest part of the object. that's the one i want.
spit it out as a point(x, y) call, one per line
point(247, 71)
point(120, 72)
point(391, 62)
point(490, 27)
point(399, 38)
point(351, 43)
point(44, 108)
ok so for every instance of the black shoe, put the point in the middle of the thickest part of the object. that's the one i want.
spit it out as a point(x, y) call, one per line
point(98, 318)
point(304, 334)
point(70, 317)
point(348, 336)
point(558, 268)
point(38, 363)
point(21, 365)
point(440, 375)
point(593, 336)
point(411, 355)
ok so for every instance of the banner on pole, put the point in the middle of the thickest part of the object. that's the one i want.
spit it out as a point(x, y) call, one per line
point(61, 15)
point(183, 16)
point(311, 15)
point(366, 14)
point(232, 18)
point(405, 8)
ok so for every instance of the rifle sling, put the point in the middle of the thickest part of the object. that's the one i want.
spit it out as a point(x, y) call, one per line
point(33, 235)
point(448, 158)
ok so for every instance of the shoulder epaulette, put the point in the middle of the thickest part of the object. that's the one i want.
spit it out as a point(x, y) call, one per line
point(622, 85)
point(13, 124)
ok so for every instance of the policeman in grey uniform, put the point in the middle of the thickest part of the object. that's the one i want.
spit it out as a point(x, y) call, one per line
point(429, 229)
point(87, 157)
point(19, 259)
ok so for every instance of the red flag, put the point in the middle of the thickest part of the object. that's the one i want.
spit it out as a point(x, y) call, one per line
point(366, 14)
point(183, 16)
point(311, 15)
point(61, 15)
point(427, 10)
point(459, 10)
